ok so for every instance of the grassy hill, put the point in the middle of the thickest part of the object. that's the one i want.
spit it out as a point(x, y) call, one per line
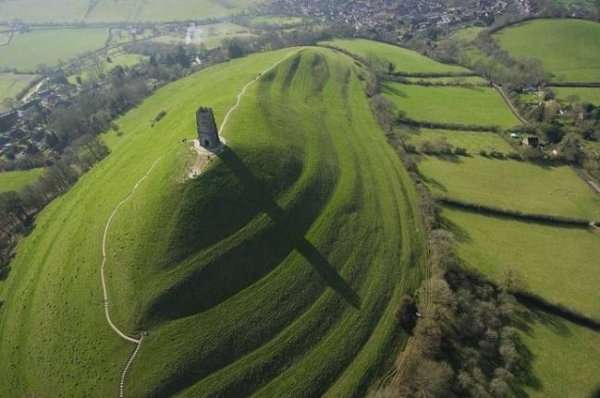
point(568, 48)
point(279, 269)
point(404, 60)
point(28, 50)
point(15, 180)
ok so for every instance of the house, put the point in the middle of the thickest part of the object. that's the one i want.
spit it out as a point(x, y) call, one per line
point(531, 140)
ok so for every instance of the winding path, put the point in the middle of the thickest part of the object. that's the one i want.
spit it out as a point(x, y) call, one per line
point(119, 332)
point(243, 91)
point(508, 102)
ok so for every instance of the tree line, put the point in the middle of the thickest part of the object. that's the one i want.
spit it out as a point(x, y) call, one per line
point(18, 209)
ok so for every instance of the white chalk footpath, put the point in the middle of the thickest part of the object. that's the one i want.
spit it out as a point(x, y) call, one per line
point(199, 149)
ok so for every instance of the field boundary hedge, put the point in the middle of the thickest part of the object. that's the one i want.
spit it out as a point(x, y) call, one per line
point(536, 301)
point(575, 84)
point(433, 74)
point(402, 80)
point(446, 126)
point(520, 215)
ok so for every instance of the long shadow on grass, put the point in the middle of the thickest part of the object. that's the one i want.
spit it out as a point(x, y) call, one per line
point(319, 263)
point(223, 274)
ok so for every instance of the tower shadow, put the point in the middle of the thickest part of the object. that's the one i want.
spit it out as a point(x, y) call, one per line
point(319, 263)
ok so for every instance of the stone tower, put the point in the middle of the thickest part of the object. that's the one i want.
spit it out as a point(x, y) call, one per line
point(208, 134)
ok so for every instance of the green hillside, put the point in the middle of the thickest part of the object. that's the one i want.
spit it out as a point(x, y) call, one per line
point(277, 270)
point(404, 60)
point(568, 48)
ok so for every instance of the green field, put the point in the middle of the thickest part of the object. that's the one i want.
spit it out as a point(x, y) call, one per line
point(568, 48)
point(467, 35)
point(476, 106)
point(537, 253)
point(116, 58)
point(11, 85)
point(472, 141)
point(279, 21)
point(513, 185)
point(404, 60)
point(121, 10)
point(211, 36)
point(565, 357)
point(15, 180)
point(28, 50)
point(277, 272)
point(584, 94)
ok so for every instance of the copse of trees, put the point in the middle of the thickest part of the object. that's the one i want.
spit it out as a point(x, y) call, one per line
point(502, 68)
point(465, 344)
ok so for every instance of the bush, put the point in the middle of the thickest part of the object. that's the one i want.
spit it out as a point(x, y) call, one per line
point(459, 151)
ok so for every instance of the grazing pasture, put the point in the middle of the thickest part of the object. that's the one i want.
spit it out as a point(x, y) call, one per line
point(116, 59)
point(262, 276)
point(12, 84)
point(29, 50)
point(579, 94)
point(568, 48)
point(513, 185)
point(462, 105)
point(537, 253)
point(472, 141)
point(404, 60)
point(15, 180)
point(565, 357)
point(210, 36)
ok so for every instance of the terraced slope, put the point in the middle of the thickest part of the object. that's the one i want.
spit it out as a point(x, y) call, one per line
point(568, 48)
point(404, 60)
point(279, 269)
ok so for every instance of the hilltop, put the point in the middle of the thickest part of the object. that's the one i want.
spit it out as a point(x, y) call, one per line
point(267, 268)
